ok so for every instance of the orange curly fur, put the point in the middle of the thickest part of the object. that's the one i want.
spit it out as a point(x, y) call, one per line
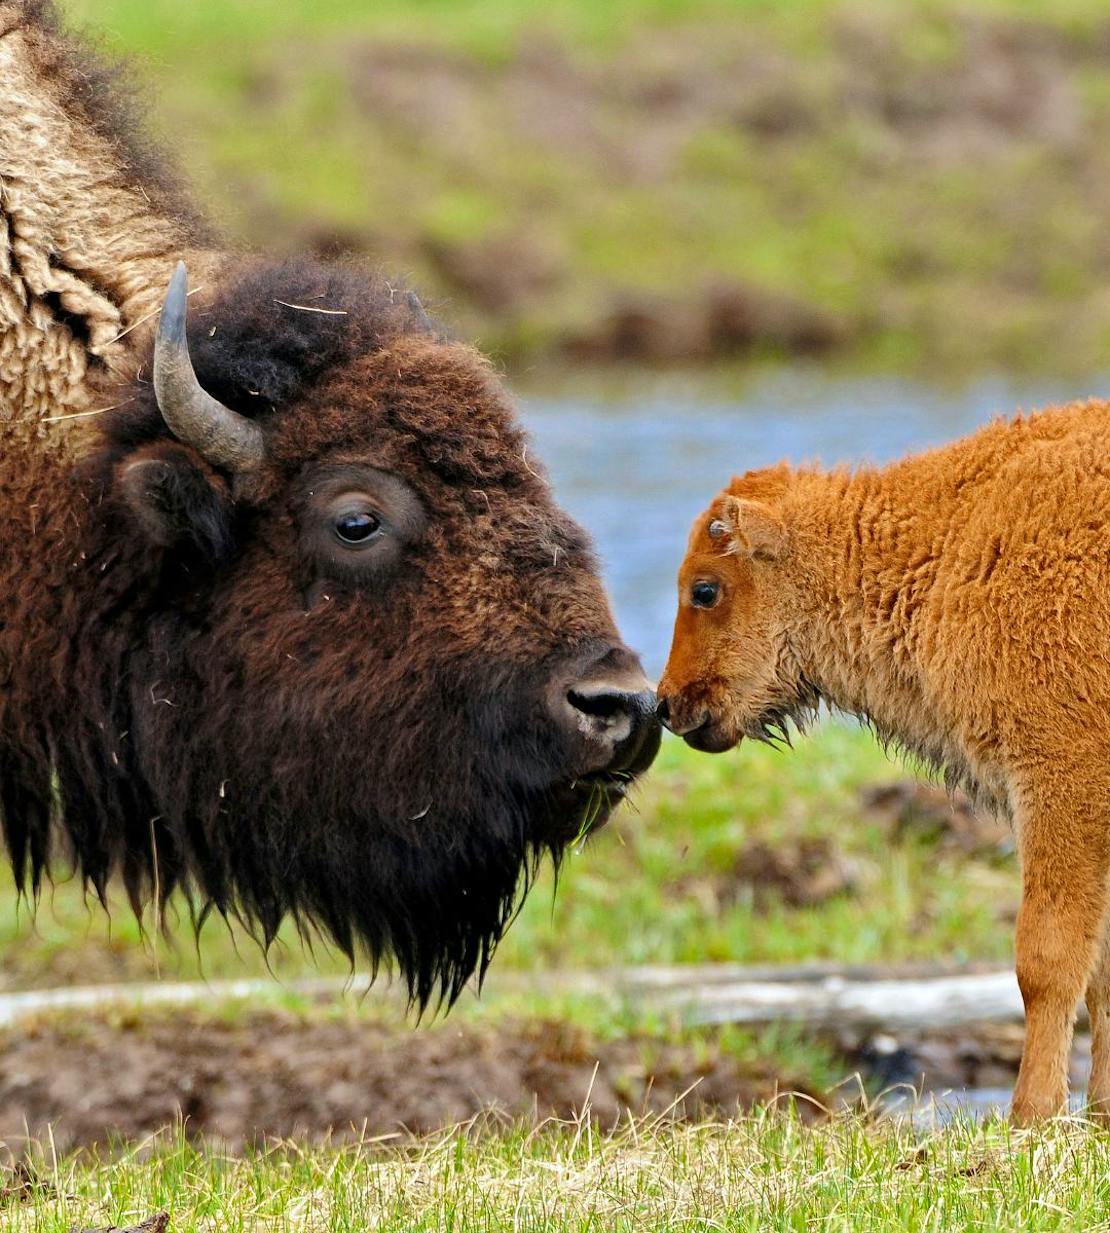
point(958, 600)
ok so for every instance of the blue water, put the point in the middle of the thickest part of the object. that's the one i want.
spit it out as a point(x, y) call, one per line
point(635, 469)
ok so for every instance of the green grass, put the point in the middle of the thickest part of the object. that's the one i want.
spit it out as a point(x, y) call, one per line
point(760, 1173)
point(650, 888)
point(984, 250)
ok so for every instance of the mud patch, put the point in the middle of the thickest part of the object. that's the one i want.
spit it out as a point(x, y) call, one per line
point(22, 1183)
point(982, 1057)
point(909, 809)
point(724, 318)
point(153, 1224)
point(500, 273)
point(801, 873)
point(274, 1074)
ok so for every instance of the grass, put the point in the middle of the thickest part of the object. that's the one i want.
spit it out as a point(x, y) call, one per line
point(761, 1173)
point(656, 886)
point(424, 135)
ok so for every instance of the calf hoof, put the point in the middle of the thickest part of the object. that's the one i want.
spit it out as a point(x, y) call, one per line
point(1099, 1112)
point(1031, 1110)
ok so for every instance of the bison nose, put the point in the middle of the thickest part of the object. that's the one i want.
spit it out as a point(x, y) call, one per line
point(663, 712)
point(615, 711)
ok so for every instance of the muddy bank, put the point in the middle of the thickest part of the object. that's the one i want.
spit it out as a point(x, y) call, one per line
point(275, 1074)
point(278, 1075)
point(984, 1057)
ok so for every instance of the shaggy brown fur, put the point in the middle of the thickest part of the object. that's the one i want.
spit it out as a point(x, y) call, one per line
point(91, 224)
point(958, 601)
point(201, 684)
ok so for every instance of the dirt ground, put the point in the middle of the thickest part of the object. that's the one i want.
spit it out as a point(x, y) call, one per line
point(273, 1074)
point(277, 1074)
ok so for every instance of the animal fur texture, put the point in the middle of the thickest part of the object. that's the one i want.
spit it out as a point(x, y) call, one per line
point(957, 600)
point(90, 222)
point(202, 685)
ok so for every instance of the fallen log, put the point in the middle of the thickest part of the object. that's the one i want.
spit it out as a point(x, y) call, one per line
point(818, 995)
point(839, 1002)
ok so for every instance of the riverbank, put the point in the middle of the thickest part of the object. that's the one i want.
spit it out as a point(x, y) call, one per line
point(241, 1065)
point(239, 1073)
point(912, 186)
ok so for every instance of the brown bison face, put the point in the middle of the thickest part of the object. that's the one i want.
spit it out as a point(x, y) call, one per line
point(730, 672)
point(375, 674)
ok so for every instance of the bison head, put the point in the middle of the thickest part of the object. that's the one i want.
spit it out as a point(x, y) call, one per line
point(357, 666)
point(731, 671)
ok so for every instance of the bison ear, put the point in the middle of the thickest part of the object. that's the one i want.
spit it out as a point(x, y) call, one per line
point(755, 530)
point(178, 502)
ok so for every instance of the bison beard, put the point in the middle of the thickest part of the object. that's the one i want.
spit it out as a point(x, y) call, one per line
point(430, 875)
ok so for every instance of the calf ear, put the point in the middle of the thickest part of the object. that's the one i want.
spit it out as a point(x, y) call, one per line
point(178, 501)
point(755, 530)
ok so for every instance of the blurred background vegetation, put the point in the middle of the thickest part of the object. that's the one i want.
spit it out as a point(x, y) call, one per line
point(668, 181)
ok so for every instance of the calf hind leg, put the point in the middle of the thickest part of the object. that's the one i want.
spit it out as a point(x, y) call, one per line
point(1059, 938)
point(1098, 1010)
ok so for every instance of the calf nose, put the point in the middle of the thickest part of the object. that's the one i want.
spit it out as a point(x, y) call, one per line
point(675, 714)
point(615, 711)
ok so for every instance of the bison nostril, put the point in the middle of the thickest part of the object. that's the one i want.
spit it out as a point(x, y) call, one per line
point(611, 714)
point(608, 703)
point(611, 706)
point(663, 711)
point(600, 703)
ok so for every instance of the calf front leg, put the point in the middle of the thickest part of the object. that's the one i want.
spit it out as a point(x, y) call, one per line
point(1059, 936)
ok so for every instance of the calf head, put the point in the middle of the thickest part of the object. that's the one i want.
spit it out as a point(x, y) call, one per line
point(731, 671)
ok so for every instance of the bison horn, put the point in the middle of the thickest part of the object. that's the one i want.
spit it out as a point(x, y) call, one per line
point(423, 321)
point(226, 438)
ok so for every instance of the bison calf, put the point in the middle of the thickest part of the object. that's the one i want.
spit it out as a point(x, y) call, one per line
point(958, 601)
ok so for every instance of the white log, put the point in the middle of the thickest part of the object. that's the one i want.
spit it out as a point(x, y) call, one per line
point(820, 996)
point(836, 1002)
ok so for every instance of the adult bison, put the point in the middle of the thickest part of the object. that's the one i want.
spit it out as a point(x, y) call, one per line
point(288, 616)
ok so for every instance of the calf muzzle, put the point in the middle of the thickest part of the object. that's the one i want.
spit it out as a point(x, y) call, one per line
point(697, 726)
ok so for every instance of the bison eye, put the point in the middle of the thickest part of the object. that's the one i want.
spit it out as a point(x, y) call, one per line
point(357, 527)
point(704, 594)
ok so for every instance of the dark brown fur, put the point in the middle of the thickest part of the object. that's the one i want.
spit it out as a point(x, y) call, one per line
point(193, 696)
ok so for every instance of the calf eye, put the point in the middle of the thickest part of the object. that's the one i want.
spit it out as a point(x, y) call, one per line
point(357, 527)
point(704, 594)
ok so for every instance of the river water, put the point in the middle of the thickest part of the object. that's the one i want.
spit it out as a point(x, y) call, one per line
point(635, 467)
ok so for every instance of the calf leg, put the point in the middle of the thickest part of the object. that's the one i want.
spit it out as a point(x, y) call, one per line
point(1059, 936)
point(1098, 1009)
